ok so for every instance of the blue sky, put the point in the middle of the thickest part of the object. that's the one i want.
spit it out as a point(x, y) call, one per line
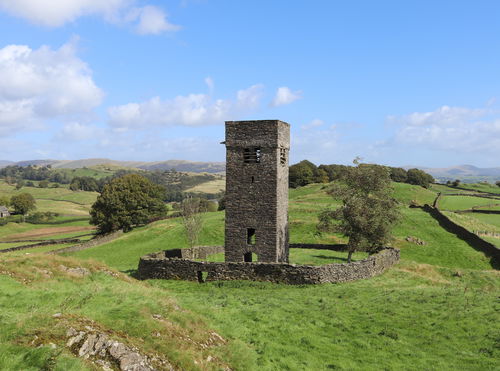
point(394, 82)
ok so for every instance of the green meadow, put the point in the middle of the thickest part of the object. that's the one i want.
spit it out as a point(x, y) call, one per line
point(437, 309)
point(455, 203)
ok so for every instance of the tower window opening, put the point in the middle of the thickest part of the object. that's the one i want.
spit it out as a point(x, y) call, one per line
point(251, 236)
point(252, 155)
point(247, 257)
point(283, 156)
point(253, 179)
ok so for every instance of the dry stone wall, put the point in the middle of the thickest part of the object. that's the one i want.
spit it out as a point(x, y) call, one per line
point(90, 243)
point(159, 266)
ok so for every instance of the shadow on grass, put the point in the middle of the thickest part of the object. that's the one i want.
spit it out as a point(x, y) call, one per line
point(131, 272)
point(474, 241)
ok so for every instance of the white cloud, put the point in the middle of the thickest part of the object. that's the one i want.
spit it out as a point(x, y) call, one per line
point(190, 110)
point(455, 129)
point(316, 145)
point(313, 124)
point(56, 13)
point(43, 84)
point(210, 84)
point(76, 131)
point(153, 20)
point(285, 96)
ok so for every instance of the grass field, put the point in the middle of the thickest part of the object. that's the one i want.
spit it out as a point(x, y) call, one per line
point(324, 327)
point(436, 310)
point(55, 194)
point(493, 219)
point(115, 304)
point(58, 200)
point(444, 189)
point(211, 187)
point(482, 187)
point(455, 203)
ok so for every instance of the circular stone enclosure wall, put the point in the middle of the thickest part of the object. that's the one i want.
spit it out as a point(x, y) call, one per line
point(178, 264)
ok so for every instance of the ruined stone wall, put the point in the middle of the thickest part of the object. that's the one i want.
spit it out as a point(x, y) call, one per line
point(257, 191)
point(158, 266)
point(38, 244)
point(99, 240)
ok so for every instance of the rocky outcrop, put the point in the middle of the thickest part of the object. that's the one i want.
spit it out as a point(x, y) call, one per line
point(108, 353)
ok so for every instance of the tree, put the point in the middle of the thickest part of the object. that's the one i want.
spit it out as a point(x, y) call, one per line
point(334, 171)
point(23, 203)
point(20, 184)
point(321, 176)
point(84, 183)
point(399, 174)
point(455, 183)
point(43, 184)
point(4, 201)
point(368, 210)
point(191, 218)
point(127, 202)
point(301, 174)
point(497, 183)
point(419, 177)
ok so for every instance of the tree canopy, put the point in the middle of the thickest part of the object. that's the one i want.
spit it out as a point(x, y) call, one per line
point(368, 209)
point(127, 202)
point(23, 203)
point(419, 177)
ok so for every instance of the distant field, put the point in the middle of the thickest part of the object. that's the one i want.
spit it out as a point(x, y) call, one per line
point(491, 219)
point(210, 187)
point(96, 171)
point(471, 221)
point(491, 188)
point(27, 231)
point(57, 194)
point(444, 189)
point(72, 207)
point(454, 203)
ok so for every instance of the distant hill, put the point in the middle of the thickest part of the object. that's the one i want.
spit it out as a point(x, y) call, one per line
point(466, 173)
point(5, 163)
point(179, 165)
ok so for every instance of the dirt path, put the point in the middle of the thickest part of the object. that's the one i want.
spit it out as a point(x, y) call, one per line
point(47, 232)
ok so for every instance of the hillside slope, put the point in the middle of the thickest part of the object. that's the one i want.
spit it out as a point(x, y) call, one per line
point(434, 310)
point(178, 165)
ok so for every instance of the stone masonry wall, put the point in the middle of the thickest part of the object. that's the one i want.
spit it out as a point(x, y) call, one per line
point(90, 243)
point(159, 266)
point(257, 191)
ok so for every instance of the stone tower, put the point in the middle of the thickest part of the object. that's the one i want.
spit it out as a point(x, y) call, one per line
point(257, 190)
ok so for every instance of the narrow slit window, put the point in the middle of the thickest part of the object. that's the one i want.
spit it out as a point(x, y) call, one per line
point(247, 257)
point(252, 155)
point(251, 236)
point(283, 156)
